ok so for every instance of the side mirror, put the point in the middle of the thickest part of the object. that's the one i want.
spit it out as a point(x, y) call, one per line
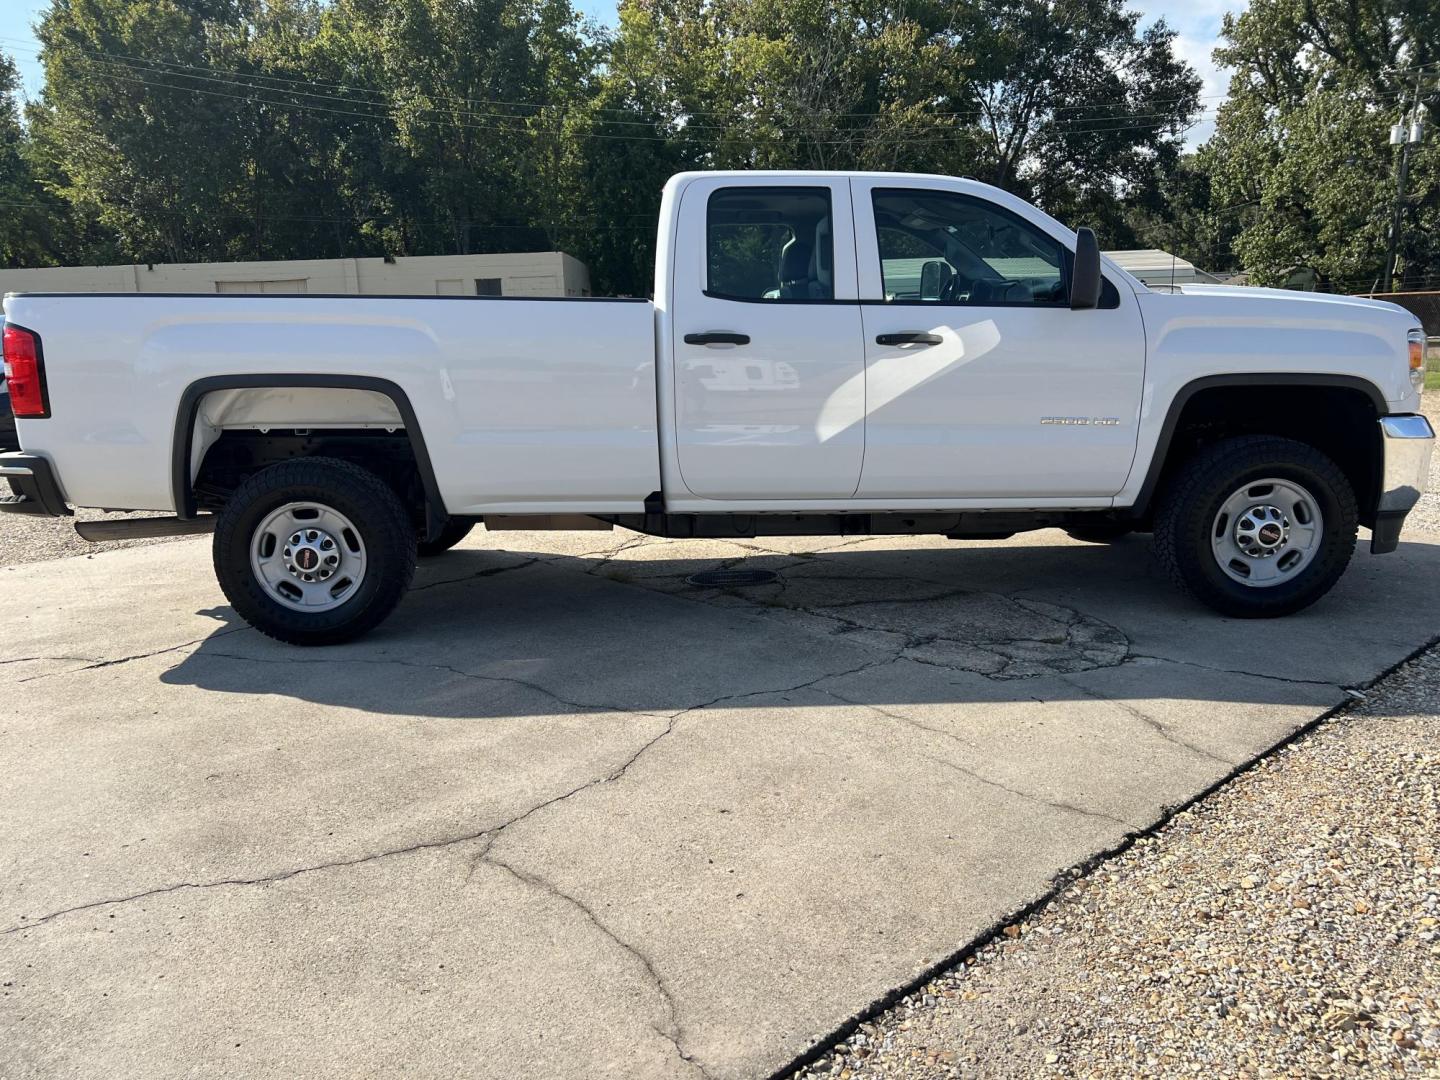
point(1085, 278)
point(933, 277)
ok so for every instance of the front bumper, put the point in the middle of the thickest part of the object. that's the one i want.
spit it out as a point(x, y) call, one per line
point(1406, 444)
point(38, 492)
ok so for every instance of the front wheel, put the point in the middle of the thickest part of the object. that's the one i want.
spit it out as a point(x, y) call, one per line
point(1257, 526)
point(314, 551)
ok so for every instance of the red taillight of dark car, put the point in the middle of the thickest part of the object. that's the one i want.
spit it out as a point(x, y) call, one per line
point(25, 373)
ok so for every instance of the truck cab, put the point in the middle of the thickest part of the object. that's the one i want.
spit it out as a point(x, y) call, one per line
point(867, 342)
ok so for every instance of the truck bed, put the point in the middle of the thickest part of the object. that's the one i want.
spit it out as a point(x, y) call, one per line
point(524, 403)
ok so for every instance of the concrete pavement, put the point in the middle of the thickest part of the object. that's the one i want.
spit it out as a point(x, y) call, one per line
point(566, 815)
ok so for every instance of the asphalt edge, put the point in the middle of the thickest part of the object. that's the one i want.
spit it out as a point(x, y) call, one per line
point(1065, 878)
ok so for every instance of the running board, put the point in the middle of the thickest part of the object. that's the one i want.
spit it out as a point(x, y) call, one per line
point(144, 528)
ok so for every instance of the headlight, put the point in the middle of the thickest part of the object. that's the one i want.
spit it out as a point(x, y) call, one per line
point(1417, 358)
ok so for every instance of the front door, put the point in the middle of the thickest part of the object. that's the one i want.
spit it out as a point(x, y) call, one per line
point(769, 364)
point(981, 381)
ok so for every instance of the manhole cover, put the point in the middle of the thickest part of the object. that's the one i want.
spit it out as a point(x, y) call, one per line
point(729, 579)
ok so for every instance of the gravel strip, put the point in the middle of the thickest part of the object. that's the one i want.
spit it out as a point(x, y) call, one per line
point(26, 538)
point(1287, 926)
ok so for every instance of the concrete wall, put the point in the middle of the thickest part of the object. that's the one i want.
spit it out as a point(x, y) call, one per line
point(541, 273)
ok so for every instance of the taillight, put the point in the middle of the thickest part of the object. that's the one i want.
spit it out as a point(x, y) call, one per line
point(25, 373)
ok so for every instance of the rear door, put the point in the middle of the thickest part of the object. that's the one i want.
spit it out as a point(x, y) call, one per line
point(769, 362)
point(981, 381)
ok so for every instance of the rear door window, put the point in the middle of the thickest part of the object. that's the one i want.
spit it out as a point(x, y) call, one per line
point(774, 244)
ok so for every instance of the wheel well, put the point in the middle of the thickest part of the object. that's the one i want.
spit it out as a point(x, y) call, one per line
point(230, 426)
point(239, 454)
point(1339, 421)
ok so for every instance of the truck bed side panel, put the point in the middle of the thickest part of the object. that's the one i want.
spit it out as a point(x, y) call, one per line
point(525, 405)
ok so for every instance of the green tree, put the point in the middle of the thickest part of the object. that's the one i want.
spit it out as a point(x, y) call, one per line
point(1081, 110)
point(216, 129)
point(26, 210)
point(476, 96)
point(1065, 101)
point(1304, 136)
point(153, 163)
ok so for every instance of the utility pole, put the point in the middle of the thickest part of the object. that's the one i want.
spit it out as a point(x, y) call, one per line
point(1407, 133)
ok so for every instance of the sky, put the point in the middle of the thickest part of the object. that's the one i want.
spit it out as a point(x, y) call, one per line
point(1196, 21)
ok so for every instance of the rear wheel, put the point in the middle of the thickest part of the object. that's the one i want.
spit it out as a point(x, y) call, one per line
point(1257, 526)
point(314, 551)
point(453, 531)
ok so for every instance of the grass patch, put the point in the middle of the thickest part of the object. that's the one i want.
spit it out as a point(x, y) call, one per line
point(1432, 380)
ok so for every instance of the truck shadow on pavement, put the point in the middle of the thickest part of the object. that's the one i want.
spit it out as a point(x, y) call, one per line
point(490, 633)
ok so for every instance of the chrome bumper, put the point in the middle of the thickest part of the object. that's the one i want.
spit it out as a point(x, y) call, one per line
point(1406, 444)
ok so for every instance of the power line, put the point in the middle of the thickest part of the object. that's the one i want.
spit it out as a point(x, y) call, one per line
point(607, 221)
point(688, 126)
point(1094, 127)
point(158, 65)
point(1077, 124)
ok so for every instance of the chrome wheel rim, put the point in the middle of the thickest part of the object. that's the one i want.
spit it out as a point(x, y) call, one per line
point(1266, 533)
point(308, 557)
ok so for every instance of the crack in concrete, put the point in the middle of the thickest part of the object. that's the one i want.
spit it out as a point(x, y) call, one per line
point(266, 879)
point(751, 543)
point(981, 778)
point(1236, 671)
point(818, 1046)
point(582, 706)
point(490, 834)
point(1159, 727)
point(909, 641)
point(673, 1032)
point(95, 665)
point(493, 571)
point(35, 659)
point(1001, 666)
point(639, 540)
point(1010, 667)
point(1109, 646)
point(1028, 796)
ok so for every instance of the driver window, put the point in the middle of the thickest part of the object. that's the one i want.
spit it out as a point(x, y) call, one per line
point(940, 247)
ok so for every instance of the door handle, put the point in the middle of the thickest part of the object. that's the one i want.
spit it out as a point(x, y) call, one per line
point(909, 338)
point(717, 337)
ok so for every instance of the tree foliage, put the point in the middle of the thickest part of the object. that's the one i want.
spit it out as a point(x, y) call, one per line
point(1304, 138)
point(240, 129)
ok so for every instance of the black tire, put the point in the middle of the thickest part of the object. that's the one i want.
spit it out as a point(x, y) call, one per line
point(362, 497)
point(1195, 494)
point(455, 530)
point(1101, 532)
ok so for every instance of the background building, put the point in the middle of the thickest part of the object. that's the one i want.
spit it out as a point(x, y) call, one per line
point(1156, 267)
point(539, 273)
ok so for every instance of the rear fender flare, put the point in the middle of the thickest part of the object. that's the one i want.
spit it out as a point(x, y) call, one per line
point(189, 411)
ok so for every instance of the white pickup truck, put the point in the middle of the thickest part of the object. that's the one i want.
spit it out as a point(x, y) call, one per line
point(849, 353)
